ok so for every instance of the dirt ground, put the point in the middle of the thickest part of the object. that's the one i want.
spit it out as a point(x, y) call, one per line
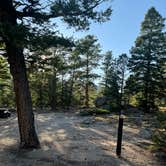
point(68, 139)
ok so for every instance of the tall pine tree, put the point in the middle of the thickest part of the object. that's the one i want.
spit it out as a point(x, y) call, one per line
point(148, 58)
point(90, 53)
point(110, 81)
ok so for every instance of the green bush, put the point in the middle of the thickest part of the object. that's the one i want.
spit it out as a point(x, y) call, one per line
point(159, 136)
point(94, 111)
point(161, 116)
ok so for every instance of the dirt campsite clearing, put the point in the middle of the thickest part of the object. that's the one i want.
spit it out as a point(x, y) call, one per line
point(68, 139)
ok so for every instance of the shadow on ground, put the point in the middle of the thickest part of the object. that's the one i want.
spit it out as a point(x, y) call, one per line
point(71, 140)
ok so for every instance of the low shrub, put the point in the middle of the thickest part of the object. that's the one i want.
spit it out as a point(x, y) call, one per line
point(159, 136)
point(94, 111)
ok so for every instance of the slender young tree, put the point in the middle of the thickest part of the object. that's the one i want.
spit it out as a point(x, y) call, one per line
point(110, 81)
point(122, 62)
point(131, 88)
point(16, 30)
point(107, 64)
point(74, 66)
point(90, 51)
point(148, 55)
point(55, 63)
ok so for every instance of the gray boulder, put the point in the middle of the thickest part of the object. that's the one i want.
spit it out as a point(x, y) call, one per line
point(100, 101)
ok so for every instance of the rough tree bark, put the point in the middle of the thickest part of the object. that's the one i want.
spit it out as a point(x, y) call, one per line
point(28, 136)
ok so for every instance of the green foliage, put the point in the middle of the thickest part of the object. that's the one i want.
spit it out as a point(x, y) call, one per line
point(161, 116)
point(159, 136)
point(147, 60)
point(43, 39)
point(131, 87)
point(57, 75)
point(36, 30)
point(108, 68)
point(79, 13)
point(110, 81)
point(4, 69)
point(28, 24)
point(6, 89)
point(133, 100)
point(44, 67)
point(18, 21)
point(89, 51)
point(94, 111)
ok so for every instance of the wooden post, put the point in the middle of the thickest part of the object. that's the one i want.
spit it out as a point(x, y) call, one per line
point(120, 130)
point(119, 140)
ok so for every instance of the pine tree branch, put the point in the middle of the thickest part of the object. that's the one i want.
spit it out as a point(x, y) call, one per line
point(39, 15)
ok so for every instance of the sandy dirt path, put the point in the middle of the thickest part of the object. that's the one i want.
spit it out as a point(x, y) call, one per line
point(72, 140)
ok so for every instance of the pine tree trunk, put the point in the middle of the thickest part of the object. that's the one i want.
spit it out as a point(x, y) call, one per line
point(71, 87)
point(28, 136)
point(62, 90)
point(87, 95)
point(8, 19)
point(40, 98)
point(87, 83)
point(53, 92)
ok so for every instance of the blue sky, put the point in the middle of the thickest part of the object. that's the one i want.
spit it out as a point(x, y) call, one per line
point(121, 31)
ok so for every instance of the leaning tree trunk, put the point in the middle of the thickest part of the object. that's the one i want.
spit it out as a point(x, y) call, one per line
point(28, 136)
point(8, 20)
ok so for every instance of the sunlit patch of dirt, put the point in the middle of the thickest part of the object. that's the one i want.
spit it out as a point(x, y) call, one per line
point(71, 140)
